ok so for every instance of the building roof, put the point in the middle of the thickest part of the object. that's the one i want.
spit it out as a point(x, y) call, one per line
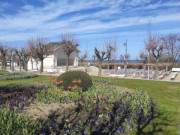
point(52, 46)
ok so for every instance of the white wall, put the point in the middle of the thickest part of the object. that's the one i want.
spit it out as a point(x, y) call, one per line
point(50, 62)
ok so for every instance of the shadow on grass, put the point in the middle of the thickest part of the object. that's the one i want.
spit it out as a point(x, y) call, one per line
point(154, 126)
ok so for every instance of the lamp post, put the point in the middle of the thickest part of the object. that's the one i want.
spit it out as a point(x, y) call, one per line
point(125, 44)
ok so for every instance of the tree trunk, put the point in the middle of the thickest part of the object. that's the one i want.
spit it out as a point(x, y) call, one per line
point(3, 63)
point(156, 72)
point(20, 65)
point(100, 68)
point(41, 68)
point(108, 64)
point(31, 63)
point(67, 63)
point(12, 63)
point(166, 68)
point(25, 66)
point(144, 68)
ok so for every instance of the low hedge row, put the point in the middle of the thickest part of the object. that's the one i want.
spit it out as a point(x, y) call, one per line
point(16, 75)
point(19, 87)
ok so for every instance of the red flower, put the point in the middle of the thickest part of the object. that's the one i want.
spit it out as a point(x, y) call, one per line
point(74, 81)
point(69, 87)
point(50, 77)
point(60, 81)
point(41, 84)
point(74, 87)
point(79, 81)
point(53, 80)
point(68, 91)
point(57, 83)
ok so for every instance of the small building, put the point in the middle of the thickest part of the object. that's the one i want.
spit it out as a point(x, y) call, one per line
point(55, 60)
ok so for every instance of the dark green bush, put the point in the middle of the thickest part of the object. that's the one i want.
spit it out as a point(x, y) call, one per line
point(19, 87)
point(70, 76)
point(17, 75)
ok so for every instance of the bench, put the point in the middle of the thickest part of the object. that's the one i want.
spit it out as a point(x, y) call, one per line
point(174, 76)
point(115, 75)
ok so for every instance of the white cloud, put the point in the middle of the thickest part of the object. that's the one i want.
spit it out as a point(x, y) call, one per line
point(32, 20)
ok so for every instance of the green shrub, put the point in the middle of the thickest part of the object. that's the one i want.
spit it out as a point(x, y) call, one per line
point(19, 87)
point(70, 76)
point(12, 123)
point(16, 75)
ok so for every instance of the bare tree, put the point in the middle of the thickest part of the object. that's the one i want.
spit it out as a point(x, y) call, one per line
point(144, 58)
point(155, 47)
point(19, 53)
point(25, 57)
point(123, 58)
point(82, 58)
point(102, 55)
point(30, 43)
point(39, 48)
point(112, 48)
point(69, 45)
point(3, 51)
point(12, 57)
point(172, 47)
point(94, 59)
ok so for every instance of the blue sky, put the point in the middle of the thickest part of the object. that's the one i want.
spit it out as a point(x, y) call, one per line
point(92, 21)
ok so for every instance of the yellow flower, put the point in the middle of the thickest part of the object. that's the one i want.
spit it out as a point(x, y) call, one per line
point(35, 118)
point(67, 120)
point(32, 107)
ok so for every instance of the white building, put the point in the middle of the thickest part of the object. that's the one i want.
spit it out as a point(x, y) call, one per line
point(55, 61)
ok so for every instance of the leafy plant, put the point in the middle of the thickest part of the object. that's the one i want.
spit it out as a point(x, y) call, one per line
point(19, 87)
point(12, 123)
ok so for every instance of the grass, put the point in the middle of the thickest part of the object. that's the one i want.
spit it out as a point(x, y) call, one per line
point(167, 97)
point(40, 78)
point(3, 71)
point(165, 94)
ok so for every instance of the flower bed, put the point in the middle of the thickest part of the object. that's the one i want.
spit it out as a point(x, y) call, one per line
point(102, 109)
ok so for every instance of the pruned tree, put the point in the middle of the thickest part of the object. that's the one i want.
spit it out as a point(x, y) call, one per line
point(30, 44)
point(102, 55)
point(94, 59)
point(155, 47)
point(144, 58)
point(3, 51)
point(82, 58)
point(19, 53)
point(25, 57)
point(123, 58)
point(112, 48)
point(40, 50)
point(12, 57)
point(69, 45)
point(172, 47)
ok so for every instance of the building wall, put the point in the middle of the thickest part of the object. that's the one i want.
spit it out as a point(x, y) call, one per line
point(52, 61)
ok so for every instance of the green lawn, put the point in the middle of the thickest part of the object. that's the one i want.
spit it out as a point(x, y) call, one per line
point(3, 71)
point(165, 94)
point(39, 79)
point(167, 97)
